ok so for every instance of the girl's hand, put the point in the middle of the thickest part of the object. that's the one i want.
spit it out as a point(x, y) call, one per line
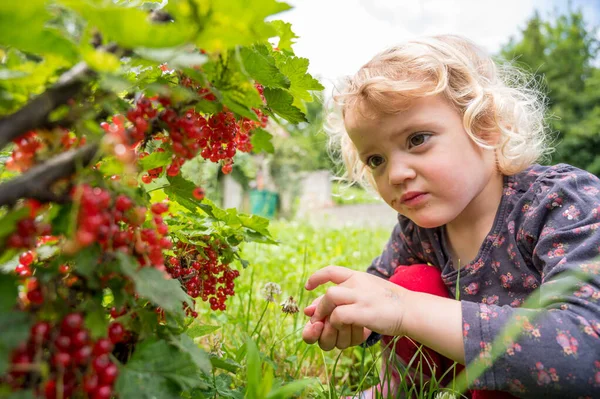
point(359, 300)
point(328, 336)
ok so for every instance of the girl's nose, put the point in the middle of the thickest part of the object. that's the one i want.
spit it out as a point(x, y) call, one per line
point(399, 171)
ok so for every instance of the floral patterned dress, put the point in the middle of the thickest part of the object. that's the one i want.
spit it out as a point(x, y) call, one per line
point(544, 248)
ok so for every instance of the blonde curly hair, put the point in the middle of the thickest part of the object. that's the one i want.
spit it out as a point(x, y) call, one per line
point(494, 100)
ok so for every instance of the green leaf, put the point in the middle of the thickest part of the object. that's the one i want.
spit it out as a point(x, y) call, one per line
point(280, 102)
point(8, 292)
point(296, 69)
point(235, 101)
point(155, 160)
point(150, 283)
point(225, 364)
point(96, 322)
point(181, 191)
point(29, 394)
point(285, 33)
point(61, 220)
point(157, 370)
point(87, 263)
point(260, 65)
point(6, 74)
point(292, 389)
point(32, 16)
point(174, 57)
point(130, 27)
point(101, 60)
point(14, 329)
point(8, 223)
point(199, 330)
point(199, 357)
point(256, 223)
point(261, 141)
point(237, 22)
point(253, 370)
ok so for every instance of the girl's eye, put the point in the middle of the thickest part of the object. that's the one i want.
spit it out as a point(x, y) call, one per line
point(374, 161)
point(418, 139)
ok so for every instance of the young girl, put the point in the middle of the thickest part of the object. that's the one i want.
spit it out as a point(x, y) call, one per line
point(451, 144)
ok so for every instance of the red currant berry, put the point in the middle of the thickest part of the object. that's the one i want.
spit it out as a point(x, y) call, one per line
point(116, 332)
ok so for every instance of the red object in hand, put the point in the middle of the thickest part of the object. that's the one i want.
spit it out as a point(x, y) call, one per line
point(428, 279)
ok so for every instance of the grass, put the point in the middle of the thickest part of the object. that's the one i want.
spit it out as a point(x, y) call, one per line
point(303, 250)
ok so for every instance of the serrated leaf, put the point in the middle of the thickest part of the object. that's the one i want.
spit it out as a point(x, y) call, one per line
point(181, 191)
point(14, 329)
point(151, 284)
point(285, 33)
point(155, 160)
point(234, 100)
point(253, 236)
point(280, 102)
point(296, 69)
point(130, 27)
point(157, 370)
point(261, 141)
point(237, 22)
point(256, 223)
point(33, 16)
point(260, 65)
point(199, 330)
point(199, 357)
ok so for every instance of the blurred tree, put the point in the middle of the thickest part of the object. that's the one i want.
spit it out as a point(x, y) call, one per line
point(562, 51)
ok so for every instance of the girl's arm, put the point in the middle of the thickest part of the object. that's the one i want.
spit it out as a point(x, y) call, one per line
point(363, 300)
point(435, 322)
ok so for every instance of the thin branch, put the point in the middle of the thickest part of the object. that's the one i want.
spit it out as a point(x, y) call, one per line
point(37, 182)
point(35, 113)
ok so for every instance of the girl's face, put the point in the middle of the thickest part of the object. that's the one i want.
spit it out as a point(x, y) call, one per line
point(425, 165)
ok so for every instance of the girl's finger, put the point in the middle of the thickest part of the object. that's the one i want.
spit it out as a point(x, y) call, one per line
point(344, 338)
point(328, 337)
point(310, 309)
point(334, 274)
point(335, 296)
point(358, 335)
point(312, 332)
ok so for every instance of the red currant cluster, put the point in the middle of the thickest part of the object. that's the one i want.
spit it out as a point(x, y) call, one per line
point(23, 269)
point(217, 138)
point(28, 229)
point(117, 224)
point(28, 146)
point(78, 366)
point(23, 156)
point(202, 275)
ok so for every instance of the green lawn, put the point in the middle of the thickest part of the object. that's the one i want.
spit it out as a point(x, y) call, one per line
point(303, 250)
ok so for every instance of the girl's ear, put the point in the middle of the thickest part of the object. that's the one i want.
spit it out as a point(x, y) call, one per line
point(491, 138)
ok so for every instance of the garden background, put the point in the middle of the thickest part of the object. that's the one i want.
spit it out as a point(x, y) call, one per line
point(251, 347)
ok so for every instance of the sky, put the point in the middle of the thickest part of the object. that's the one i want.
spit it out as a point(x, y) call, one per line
point(339, 36)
